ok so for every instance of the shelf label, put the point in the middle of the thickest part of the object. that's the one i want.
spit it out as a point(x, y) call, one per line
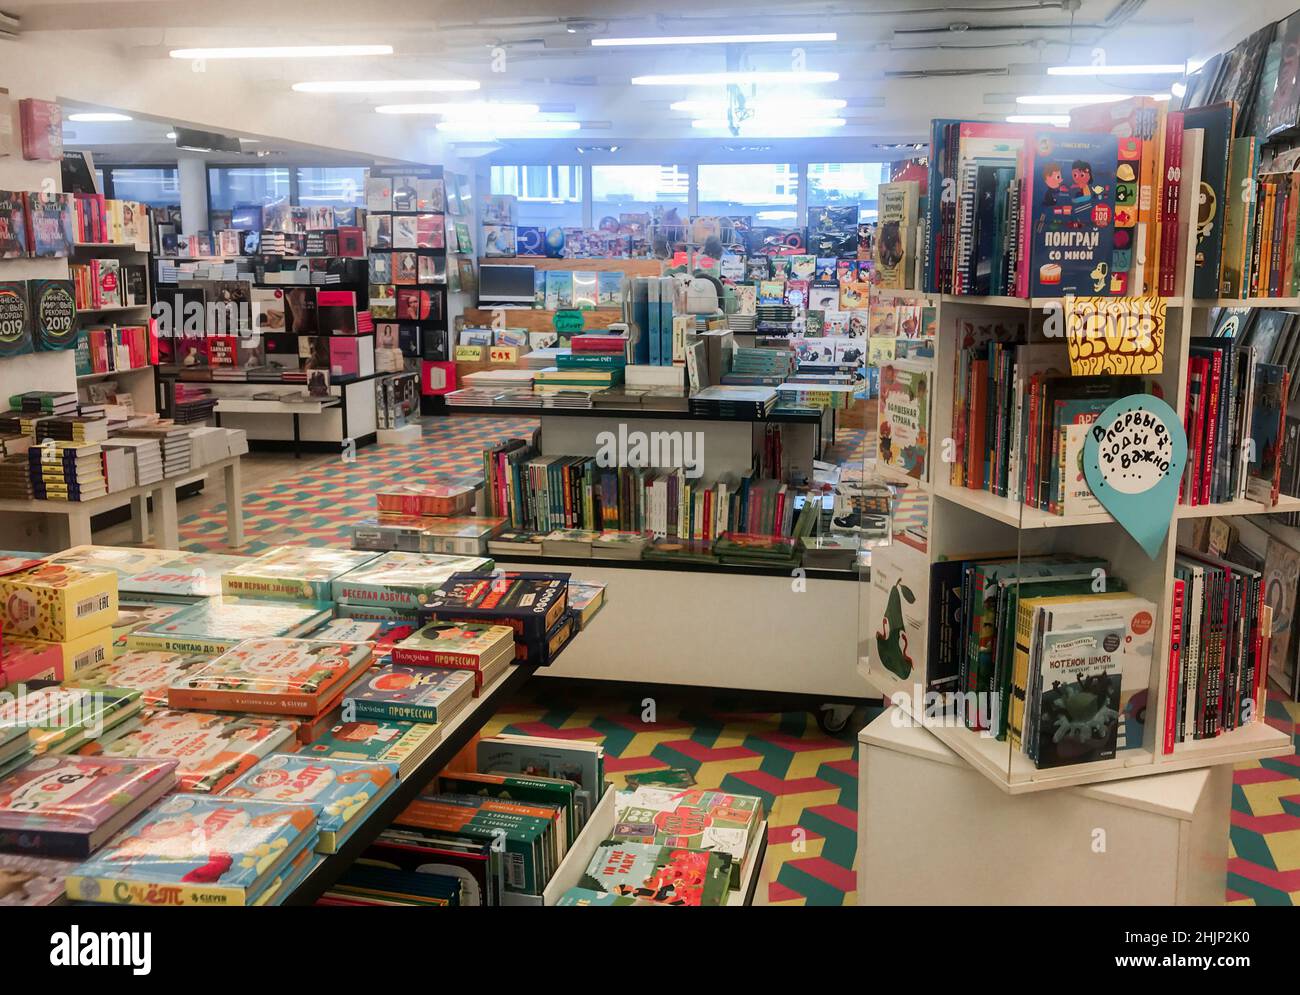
point(504, 354)
point(567, 322)
point(1133, 459)
point(469, 353)
point(1115, 335)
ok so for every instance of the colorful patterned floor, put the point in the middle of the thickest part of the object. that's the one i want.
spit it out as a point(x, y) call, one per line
point(808, 779)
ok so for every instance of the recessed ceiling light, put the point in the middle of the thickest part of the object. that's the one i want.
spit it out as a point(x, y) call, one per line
point(505, 128)
point(715, 39)
point(462, 110)
point(584, 149)
point(1149, 69)
point(1063, 120)
point(718, 108)
point(741, 77)
point(281, 52)
point(387, 86)
point(772, 124)
point(98, 117)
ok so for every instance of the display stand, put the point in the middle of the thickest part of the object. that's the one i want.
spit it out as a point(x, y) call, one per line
point(969, 523)
point(137, 381)
point(932, 831)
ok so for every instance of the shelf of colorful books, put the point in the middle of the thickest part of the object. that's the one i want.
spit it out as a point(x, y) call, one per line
point(1282, 302)
point(579, 563)
point(454, 736)
point(125, 246)
point(114, 309)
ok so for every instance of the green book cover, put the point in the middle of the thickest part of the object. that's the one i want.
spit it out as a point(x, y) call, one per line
point(1239, 215)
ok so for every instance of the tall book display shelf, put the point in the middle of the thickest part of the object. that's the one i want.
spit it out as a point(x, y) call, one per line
point(966, 523)
point(138, 381)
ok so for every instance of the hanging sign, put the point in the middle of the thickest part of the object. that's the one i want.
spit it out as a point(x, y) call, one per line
point(1115, 335)
point(1133, 459)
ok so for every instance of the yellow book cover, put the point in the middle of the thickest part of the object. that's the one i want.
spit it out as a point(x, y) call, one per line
point(57, 602)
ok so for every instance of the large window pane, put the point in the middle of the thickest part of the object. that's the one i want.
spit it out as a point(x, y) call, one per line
point(619, 190)
point(766, 192)
point(155, 187)
point(545, 196)
point(840, 184)
point(233, 188)
point(331, 186)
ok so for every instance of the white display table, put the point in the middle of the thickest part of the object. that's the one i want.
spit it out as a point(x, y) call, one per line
point(934, 831)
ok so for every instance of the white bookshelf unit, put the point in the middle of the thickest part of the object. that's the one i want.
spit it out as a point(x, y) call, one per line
point(970, 523)
point(137, 381)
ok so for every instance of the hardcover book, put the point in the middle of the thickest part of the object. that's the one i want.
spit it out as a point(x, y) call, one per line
point(402, 580)
point(214, 625)
point(531, 603)
point(32, 881)
point(194, 850)
point(292, 573)
point(56, 602)
point(904, 428)
point(49, 225)
point(210, 750)
point(343, 792)
point(895, 251)
point(662, 875)
point(15, 320)
point(469, 645)
point(53, 312)
point(149, 672)
point(273, 676)
point(13, 225)
point(406, 744)
point(69, 806)
point(410, 693)
point(1073, 214)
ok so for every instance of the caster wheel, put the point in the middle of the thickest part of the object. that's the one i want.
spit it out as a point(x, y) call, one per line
point(834, 719)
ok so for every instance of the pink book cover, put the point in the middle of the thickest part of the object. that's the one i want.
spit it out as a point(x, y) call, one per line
point(75, 794)
point(345, 359)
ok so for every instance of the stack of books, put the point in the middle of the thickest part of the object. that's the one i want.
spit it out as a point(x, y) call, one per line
point(499, 380)
point(480, 647)
point(303, 574)
point(742, 324)
point(209, 749)
point(44, 402)
point(67, 471)
point(473, 397)
point(618, 546)
point(72, 428)
point(16, 478)
point(534, 605)
point(144, 455)
point(407, 744)
point(174, 442)
point(216, 624)
point(555, 380)
point(119, 469)
point(426, 534)
point(72, 806)
point(404, 692)
point(267, 850)
point(401, 582)
point(775, 319)
point(761, 367)
point(595, 344)
point(734, 402)
point(568, 397)
point(439, 499)
point(741, 549)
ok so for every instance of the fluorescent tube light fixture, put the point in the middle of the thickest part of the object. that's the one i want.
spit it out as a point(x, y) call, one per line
point(1062, 120)
point(1149, 69)
point(281, 52)
point(718, 108)
point(715, 39)
point(98, 117)
point(736, 76)
point(462, 110)
point(387, 86)
point(771, 124)
point(1071, 99)
point(505, 128)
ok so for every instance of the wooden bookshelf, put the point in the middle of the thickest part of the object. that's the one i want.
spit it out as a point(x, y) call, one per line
point(967, 523)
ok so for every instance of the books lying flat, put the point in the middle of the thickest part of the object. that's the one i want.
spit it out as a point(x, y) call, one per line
point(292, 573)
point(407, 744)
point(214, 625)
point(511, 544)
point(585, 599)
point(662, 875)
point(464, 645)
point(195, 850)
point(210, 750)
point(454, 498)
point(32, 881)
point(412, 694)
point(148, 671)
point(63, 719)
point(56, 602)
point(402, 580)
point(70, 806)
point(273, 676)
point(343, 792)
point(618, 546)
point(426, 534)
point(530, 603)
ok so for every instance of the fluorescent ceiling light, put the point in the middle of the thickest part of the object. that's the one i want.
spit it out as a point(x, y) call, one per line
point(171, 136)
point(281, 52)
point(1071, 99)
point(1178, 89)
point(718, 108)
point(714, 39)
point(504, 127)
point(741, 77)
point(770, 124)
point(98, 117)
point(1063, 120)
point(1150, 69)
point(462, 110)
point(387, 86)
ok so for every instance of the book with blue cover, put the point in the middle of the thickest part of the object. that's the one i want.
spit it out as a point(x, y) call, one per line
point(1072, 223)
point(413, 694)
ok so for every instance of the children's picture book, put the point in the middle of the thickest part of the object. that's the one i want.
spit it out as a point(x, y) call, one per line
point(292, 573)
point(661, 875)
point(414, 694)
point(32, 881)
point(214, 625)
point(58, 806)
point(274, 676)
point(1072, 214)
point(210, 750)
point(904, 428)
point(1073, 708)
point(406, 744)
point(194, 850)
point(402, 579)
point(149, 672)
point(342, 792)
point(895, 250)
point(472, 645)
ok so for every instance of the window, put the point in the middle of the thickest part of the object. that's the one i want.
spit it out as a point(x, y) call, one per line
point(836, 184)
point(619, 190)
point(157, 187)
point(331, 186)
point(767, 193)
point(545, 196)
point(242, 186)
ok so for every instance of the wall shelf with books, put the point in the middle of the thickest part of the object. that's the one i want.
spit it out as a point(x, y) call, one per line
point(1038, 567)
point(114, 347)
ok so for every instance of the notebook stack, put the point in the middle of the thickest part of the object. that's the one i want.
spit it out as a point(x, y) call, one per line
point(71, 806)
point(727, 401)
point(144, 454)
point(481, 647)
point(67, 471)
point(202, 852)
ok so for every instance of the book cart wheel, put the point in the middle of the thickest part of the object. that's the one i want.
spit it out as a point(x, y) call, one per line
point(833, 718)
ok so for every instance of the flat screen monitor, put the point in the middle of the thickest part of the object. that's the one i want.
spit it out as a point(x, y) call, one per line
point(499, 284)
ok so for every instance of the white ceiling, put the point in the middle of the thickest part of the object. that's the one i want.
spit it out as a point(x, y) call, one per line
point(900, 62)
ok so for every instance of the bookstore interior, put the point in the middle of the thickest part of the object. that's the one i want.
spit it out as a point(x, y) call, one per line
point(486, 455)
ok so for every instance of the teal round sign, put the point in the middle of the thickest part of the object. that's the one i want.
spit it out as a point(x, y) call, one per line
point(1133, 460)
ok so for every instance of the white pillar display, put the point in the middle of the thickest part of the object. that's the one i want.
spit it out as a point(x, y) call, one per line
point(192, 176)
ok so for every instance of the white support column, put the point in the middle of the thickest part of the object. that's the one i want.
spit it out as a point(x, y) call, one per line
point(192, 177)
